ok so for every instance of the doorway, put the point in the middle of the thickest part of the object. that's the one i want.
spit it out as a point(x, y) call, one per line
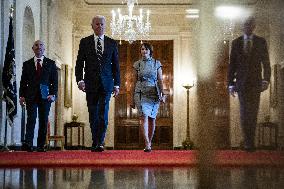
point(127, 132)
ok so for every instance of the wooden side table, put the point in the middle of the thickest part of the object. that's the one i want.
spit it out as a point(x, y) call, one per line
point(273, 129)
point(69, 126)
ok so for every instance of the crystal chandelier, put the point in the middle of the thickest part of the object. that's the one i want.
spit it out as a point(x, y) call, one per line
point(130, 27)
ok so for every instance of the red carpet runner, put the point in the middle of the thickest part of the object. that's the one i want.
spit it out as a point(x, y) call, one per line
point(137, 158)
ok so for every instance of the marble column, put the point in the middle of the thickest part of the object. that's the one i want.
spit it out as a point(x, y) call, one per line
point(205, 95)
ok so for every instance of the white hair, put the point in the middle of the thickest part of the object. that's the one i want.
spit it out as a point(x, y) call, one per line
point(98, 17)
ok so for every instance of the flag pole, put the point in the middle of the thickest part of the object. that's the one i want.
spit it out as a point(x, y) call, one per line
point(23, 121)
point(5, 147)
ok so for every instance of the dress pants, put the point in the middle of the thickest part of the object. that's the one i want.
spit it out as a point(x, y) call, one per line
point(98, 107)
point(249, 105)
point(41, 108)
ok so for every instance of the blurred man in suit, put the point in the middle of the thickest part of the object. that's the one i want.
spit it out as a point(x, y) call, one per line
point(249, 58)
point(38, 89)
point(98, 59)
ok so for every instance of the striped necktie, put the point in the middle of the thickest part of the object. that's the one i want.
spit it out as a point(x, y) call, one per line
point(99, 50)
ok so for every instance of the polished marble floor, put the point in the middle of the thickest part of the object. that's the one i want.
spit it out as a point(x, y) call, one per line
point(139, 177)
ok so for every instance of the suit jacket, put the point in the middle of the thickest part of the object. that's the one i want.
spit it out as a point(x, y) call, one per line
point(96, 74)
point(245, 69)
point(29, 85)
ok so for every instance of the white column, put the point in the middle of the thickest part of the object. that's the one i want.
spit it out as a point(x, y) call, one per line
point(205, 94)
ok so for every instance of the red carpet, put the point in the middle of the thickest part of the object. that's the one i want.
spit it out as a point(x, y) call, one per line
point(137, 158)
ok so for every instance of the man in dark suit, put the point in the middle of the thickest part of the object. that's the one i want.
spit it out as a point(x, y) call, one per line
point(249, 59)
point(98, 59)
point(38, 89)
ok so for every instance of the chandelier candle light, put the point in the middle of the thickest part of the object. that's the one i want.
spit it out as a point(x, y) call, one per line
point(130, 27)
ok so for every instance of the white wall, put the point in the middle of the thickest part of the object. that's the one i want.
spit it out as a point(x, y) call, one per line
point(42, 31)
point(60, 43)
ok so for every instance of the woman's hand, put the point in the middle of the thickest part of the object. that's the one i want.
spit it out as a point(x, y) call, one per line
point(163, 98)
point(22, 101)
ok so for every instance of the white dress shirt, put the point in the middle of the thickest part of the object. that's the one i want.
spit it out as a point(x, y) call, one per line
point(41, 60)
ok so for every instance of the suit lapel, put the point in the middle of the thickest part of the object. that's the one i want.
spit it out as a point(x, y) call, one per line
point(254, 44)
point(106, 46)
point(45, 67)
point(242, 45)
point(44, 63)
point(32, 65)
point(32, 68)
point(91, 46)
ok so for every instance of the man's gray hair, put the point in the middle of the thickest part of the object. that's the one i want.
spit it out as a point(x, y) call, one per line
point(98, 17)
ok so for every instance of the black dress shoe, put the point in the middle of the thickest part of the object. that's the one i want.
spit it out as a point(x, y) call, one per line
point(249, 149)
point(93, 148)
point(99, 149)
point(26, 147)
point(147, 149)
point(41, 149)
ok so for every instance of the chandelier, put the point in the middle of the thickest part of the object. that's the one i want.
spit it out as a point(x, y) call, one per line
point(130, 27)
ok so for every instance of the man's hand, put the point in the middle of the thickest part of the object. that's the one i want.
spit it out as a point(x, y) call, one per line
point(132, 105)
point(264, 85)
point(51, 98)
point(81, 85)
point(22, 101)
point(115, 91)
point(232, 91)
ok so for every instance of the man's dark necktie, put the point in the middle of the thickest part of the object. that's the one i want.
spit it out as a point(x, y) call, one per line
point(38, 68)
point(38, 73)
point(248, 45)
point(99, 50)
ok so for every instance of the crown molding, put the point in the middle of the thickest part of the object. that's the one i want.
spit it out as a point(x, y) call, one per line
point(147, 4)
point(193, 2)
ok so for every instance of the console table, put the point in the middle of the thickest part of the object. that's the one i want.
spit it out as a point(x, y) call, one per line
point(81, 131)
point(262, 131)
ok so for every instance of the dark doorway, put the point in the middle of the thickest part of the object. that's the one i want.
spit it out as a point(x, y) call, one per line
point(127, 131)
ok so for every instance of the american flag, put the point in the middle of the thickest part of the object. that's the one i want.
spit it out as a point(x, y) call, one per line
point(9, 77)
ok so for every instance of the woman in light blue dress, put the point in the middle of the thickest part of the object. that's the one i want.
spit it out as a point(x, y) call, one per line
point(148, 92)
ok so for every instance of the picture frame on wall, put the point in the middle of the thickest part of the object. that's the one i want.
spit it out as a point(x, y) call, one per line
point(67, 86)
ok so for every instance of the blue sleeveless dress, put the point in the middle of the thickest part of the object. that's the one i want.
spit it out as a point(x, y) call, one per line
point(146, 89)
